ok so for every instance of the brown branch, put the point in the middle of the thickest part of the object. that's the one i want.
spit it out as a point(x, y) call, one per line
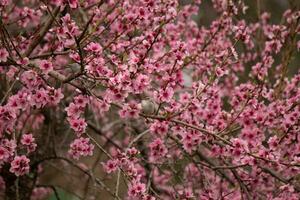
point(99, 132)
point(278, 177)
point(49, 54)
point(42, 33)
point(209, 164)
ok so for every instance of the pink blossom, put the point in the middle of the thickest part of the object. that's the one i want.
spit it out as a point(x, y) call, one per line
point(136, 189)
point(10, 146)
point(20, 165)
point(4, 2)
point(29, 142)
point(55, 96)
point(164, 95)
point(45, 66)
point(3, 55)
point(78, 125)
point(159, 128)
point(157, 149)
point(130, 110)
point(73, 3)
point(94, 47)
point(186, 194)
point(141, 83)
point(40, 98)
point(81, 101)
point(4, 154)
point(73, 110)
point(81, 147)
point(110, 166)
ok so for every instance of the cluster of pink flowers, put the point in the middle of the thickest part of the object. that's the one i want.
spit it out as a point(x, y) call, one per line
point(20, 165)
point(81, 147)
point(175, 108)
point(7, 150)
point(29, 142)
point(128, 164)
point(157, 150)
point(3, 55)
point(130, 110)
point(74, 110)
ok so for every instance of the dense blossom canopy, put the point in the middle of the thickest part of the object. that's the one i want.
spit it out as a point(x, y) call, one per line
point(145, 103)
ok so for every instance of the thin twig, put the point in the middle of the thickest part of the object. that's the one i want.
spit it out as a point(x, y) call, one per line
point(42, 33)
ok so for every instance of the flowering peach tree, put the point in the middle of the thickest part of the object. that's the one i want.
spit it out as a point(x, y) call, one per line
point(161, 106)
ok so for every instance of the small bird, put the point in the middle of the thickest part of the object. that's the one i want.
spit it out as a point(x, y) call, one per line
point(149, 107)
